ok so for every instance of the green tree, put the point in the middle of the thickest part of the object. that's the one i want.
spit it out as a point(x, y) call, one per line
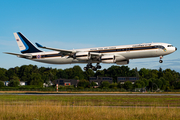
point(159, 83)
point(69, 73)
point(160, 73)
point(88, 73)
point(168, 76)
point(1, 84)
point(128, 85)
point(93, 84)
point(165, 83)
point(76, 78)
point(137, 85)
point(105, 84)
point(113, 85)
point(83, 84)
point(144, 73)
point(11, 73)
point(119, 85)
point(62, 74)
point(177, 85)
point(146, 82)
point(77, 71)
point(117, 71)
point(99, 73)
point(153, 74)
point(3, 76)
point(36, 79)
point(14, 82)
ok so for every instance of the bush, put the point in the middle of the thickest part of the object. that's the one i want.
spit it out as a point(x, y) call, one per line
point(83, 84)
point(29, 87)
point(93, 84)
point(128, 85)
point(105, 84)
point(14, 83)
point(113, 85)
point(1, 84)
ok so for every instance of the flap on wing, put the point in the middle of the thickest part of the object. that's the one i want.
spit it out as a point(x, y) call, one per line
point(60, 50)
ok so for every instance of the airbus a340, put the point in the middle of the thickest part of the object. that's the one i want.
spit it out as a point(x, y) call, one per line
point(119, 55)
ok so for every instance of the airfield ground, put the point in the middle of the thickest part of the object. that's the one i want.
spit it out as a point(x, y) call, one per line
point(84, 107)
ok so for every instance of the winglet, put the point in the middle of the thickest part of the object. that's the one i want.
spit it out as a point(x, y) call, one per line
point(39, 45)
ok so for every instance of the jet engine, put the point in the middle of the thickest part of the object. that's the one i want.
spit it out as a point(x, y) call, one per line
point(112, 58)
point(123, 62)
point(108, 59)
point(120, 60)
point(83, 56)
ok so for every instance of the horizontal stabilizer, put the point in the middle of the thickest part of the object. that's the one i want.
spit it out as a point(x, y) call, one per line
point(19, 55)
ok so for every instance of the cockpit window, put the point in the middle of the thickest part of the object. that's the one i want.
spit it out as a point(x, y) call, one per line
point(170, 46)
point(159, 46)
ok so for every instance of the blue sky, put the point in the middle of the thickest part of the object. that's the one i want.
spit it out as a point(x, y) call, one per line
point(68, 24)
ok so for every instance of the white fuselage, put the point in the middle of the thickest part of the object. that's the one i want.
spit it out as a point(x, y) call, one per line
point(124, 52)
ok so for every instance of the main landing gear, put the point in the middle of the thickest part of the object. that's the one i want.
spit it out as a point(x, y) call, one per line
point(161, 61)
point(89, 65)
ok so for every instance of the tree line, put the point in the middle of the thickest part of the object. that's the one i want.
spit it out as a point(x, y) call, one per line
point(163, 79)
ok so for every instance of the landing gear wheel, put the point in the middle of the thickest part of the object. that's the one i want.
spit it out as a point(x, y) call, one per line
point(86, 68)
point(160, 61)
point(89, 66)
point(98, 67)
point(94, 68)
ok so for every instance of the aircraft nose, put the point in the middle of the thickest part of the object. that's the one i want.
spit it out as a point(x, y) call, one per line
point(176, 48)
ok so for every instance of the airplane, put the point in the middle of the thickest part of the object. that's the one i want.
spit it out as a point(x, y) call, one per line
point(119, 55)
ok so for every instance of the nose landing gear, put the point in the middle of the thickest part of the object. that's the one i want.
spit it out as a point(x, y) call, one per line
point(161, 61)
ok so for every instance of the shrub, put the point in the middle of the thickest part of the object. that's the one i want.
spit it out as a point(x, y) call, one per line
point(14, 83)
point(1, 84)
point(105, 84)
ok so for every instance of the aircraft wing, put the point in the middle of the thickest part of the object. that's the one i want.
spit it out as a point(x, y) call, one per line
point(60, 50)
point(19, 55)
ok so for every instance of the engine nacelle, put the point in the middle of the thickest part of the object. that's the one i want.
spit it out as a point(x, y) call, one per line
point(120, 60)
point(108, 59)
point(123, 62)
point(83, 56)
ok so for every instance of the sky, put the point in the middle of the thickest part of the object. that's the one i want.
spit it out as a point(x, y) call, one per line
point(74, 24)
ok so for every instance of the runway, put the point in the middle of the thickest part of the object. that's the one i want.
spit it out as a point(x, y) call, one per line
point(89, 94)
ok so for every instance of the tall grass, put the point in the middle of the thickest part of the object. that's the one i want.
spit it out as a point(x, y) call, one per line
point(103, 100)
point(46, 111)
point(17, 107)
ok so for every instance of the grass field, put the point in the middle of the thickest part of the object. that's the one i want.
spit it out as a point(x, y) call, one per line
point(33, 107)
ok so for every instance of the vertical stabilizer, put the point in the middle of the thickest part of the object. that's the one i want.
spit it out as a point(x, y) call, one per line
point(24, 44)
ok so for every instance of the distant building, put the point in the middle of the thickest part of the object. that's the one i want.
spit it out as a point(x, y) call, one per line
point(6, 83)
point(22, 83)
point(122, 80)
point(66, 82)
point(99, 80)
